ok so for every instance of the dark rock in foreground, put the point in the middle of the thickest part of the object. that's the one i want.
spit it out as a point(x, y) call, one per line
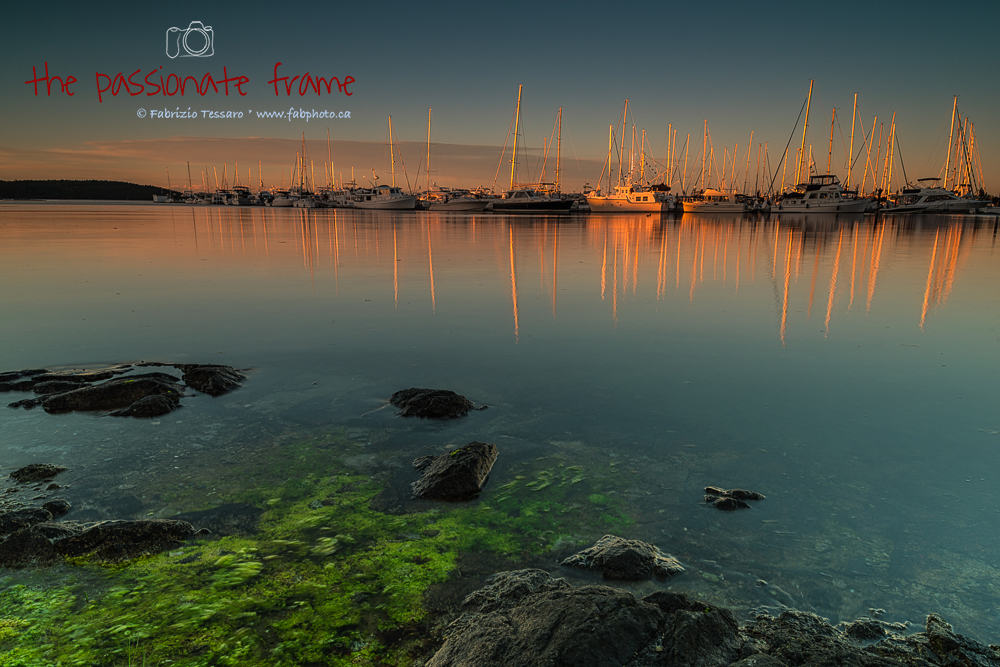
point(114, 394)
point(47, 542)
point(36, 472)
point(618, 558)
point(457, 475)
point(527, 618)
point(730, 500)
point(432, 403)
point(211, 379)
point(139, 395)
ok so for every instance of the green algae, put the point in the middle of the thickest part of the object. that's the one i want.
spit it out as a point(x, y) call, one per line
point(325, 580)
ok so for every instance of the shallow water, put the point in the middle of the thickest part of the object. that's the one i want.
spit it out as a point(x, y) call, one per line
point(844, 367)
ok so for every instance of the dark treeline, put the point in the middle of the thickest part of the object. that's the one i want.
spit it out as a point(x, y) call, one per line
point(78, 190)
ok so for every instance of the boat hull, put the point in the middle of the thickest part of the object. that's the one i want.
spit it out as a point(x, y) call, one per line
point(474, 205)
point(405, 203)
point(620, 205)
point(842, 206)
point(712, 207)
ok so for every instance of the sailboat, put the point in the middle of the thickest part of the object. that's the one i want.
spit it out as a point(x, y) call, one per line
point(628, 196)
point(386, 197)
point(526, 199)
point(448, 199)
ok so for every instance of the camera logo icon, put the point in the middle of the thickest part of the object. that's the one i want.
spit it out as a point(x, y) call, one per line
point(197, 41)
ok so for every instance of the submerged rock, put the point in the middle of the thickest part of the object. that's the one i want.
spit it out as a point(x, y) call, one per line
point(730, 500)
point(618, 558)
point(432, 403)
point(457, 475)
point(228, 519)
point(36, 472)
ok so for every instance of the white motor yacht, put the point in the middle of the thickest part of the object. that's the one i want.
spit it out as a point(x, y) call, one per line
point(933, 200)
point(823, 194)
point(713, 201)
point(384, 197)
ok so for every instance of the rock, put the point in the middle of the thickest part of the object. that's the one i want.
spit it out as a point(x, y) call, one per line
point(27, 403)
point(113, 394)
point(695, 634)
point(17, 385)
point(228, 519)
point(506, 589)
point(730, 500)
point(54, 387)
point(457, 475)
point(36, 472)
point(110, 542)
point(618, 558)
point(18, 519)
point(120, 541)
point(212, 379)
point(76, 377)
point(11, 376)
point(595, 626)
point(432, 403)
point(150, 406)
point(954, 649)
point(57, 507)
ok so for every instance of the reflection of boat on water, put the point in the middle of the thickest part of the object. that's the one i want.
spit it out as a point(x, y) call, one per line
point(823, 194)
point(933, 200)
point(713, 201)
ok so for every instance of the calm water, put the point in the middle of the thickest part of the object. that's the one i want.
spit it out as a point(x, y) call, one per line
point(844, 367)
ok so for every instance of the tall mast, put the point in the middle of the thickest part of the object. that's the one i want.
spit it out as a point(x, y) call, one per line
point(329, 158)
point(428, 150)
point(805, 129)
point(392, 154)
point(850, 158)
point(704, 154)
point(621, 148)
point(611, 147)
point(559, 153)
point(517, 119)
point(892, 152)
point(687, 143)
point(951, 135)
point(829, 155)
point(670, 127)
point(189, 175)
point(642, 158)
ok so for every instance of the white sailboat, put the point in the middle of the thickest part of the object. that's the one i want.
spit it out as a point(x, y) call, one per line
point(386, 197)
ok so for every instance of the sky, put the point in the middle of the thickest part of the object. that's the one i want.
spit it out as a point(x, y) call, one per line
point(741, 66)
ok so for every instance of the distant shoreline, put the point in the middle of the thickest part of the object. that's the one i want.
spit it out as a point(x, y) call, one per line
point(35, 190)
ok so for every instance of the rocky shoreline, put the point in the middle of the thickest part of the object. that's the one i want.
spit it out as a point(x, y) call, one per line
point(527, 618)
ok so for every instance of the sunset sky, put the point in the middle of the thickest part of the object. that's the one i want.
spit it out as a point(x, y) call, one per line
point(741, 66)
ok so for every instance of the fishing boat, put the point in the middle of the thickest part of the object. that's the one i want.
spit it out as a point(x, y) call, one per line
point(384, 197)
point(932, 199)
point(713, 201)
point(823, 194)
point(630, 198)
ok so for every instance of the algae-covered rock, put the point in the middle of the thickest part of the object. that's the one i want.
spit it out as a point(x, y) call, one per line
point(119, 541)
point(432, 403)
point(618, 558)
point(457, 475)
